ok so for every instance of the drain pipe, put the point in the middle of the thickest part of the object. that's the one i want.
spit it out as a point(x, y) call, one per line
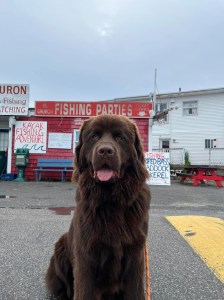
point(12, 122)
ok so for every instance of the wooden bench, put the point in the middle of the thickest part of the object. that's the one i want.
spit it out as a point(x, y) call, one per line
point(53, 165)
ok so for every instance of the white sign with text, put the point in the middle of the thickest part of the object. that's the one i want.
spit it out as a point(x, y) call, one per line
point(158, 165)
point(31, 135)
point(14, 99)
point(60, 140)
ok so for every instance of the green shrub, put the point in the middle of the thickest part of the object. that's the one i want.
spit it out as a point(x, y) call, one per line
point(187, 158)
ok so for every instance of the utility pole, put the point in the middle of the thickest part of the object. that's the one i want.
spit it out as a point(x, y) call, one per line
point(154, 93)
point(152, 114)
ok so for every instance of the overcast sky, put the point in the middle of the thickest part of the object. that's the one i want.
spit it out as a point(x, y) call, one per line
point(105, 49)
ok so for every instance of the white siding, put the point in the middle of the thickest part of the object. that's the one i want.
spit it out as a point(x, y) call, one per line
point(190, 132)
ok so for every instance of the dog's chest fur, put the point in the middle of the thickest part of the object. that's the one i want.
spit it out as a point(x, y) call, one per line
point(109, 235)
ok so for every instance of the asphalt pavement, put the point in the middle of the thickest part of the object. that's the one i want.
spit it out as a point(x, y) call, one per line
point(34, 214)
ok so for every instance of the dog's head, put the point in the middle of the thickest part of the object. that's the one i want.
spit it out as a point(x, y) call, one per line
point(108, 148)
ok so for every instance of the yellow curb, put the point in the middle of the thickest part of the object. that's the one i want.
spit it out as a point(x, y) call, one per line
point(206, 236)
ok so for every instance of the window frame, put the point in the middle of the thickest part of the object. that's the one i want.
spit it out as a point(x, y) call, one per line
point(209, 143)
point(190, 107)
point(4, 144)
point(158, 109)
point(75, 138)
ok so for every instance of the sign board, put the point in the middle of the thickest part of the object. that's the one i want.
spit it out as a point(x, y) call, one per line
point(14, 99)
point(60, 140)
point(31, 135)
point(88, 109)
point(158, 165)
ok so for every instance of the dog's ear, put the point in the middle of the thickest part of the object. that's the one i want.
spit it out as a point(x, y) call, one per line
point(78, 165)
point(138, 145)
point(139, 163)
point(77, 149)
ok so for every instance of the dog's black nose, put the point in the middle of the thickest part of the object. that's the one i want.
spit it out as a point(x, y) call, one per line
point(105, 150)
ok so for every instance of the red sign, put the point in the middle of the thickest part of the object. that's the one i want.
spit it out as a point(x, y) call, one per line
point(88, 109)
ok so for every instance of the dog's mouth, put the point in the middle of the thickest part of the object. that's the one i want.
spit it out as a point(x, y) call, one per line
point(105, 173)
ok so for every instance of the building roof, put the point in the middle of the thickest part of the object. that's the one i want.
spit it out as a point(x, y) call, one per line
point(172, 95)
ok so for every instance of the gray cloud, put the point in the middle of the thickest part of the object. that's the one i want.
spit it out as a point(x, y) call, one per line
point(102, 49)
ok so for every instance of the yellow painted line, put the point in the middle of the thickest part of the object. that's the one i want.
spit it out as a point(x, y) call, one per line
point(206, 236)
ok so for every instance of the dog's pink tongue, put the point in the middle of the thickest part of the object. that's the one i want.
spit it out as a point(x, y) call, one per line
point(104, 174)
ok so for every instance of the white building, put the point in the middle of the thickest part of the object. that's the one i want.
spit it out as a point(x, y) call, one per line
point(194, 124)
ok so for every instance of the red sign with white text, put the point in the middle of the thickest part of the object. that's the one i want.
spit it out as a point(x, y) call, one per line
point(88, 109)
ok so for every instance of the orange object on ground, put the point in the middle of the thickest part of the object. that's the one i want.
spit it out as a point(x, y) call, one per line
point(147, 278)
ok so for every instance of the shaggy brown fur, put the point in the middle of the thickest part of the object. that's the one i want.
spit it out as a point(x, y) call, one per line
point(102, 255)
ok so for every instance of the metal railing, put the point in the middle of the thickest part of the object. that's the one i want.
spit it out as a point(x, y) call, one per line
point(216, 157)
point(176, 155)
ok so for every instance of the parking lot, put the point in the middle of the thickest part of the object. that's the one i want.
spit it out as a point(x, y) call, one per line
point(33, 215)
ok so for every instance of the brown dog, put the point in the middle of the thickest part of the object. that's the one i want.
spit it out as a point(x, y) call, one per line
point(102, 255)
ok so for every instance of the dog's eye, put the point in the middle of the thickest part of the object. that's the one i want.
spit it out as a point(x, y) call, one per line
point(95, 137)
point(119, 138)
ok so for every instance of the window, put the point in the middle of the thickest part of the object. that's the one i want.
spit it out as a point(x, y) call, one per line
point(76, 138)
point(164, 145)
point(161, 107)
point(190, 108)
point(210, 143)
point(4, 138)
